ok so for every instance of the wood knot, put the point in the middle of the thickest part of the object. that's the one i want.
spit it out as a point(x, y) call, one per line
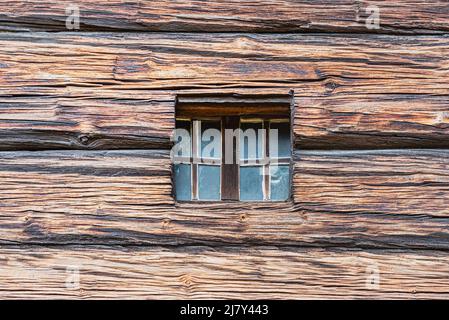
point(166, 223)
point(243, 217)
point(84, 140)
point(186, 279)
point(303, 215)
point(331, 86)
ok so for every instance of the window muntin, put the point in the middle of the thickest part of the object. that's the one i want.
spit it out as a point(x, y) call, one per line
point(262, 169)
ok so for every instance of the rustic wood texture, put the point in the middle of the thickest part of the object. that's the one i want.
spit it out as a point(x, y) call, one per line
point(225, 272)
point(118, 90)
point(377, 199)
point(400, 16)
point(85, 122)
point(112, 213)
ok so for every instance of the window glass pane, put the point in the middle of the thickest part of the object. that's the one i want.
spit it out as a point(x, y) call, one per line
point(280, 182)
point(251, 183)
point(209, 182)
point(210, 139)
point(251, 140)
point(280, 146)
point(183, 184)
point(182, 140)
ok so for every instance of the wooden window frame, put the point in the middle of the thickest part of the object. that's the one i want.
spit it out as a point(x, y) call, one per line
point(230, 111)
point(230, 173)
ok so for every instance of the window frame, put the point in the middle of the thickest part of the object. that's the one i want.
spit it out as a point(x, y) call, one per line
point(230, 188)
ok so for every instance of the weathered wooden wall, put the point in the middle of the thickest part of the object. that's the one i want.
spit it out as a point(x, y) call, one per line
point(85, 124)
point(118, 91)
point(400, 16)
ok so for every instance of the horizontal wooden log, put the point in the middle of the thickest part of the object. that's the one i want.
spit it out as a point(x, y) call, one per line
point(400, 16)
point(376, 199)
point(120, 89)
point(372, 122)
point(220, 273)
point(402, 182)
point(35, 62)
point(35, 123)
point(144, 122)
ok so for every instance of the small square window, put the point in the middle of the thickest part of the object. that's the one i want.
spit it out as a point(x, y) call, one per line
point(232, 151)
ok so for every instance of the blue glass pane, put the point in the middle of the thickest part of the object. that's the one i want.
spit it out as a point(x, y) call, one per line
point(209, 182)
point(282, 142)
point(251, 183)
point(183, 184)
point(211, 139)
point(280, 183)
point(251, 142)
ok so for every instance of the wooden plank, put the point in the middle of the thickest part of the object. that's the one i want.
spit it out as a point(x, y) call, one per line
point(400, 16)
point(341, 121)
point(220, 273)
point(120, 89)
point(406, 182)
point(32, 62)
point(365, 121)
point(377, 199)
point(86, 122)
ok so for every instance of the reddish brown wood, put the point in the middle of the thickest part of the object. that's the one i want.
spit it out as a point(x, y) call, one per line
point(108, 212)
point(230, 171)
point(120, 91)
point(377, 199)
point(116, 272)
point(398, 17)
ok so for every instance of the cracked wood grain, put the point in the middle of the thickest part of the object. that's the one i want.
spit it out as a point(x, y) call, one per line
point(110, 213)
point(221, 273)
point(398, 17)
point(118, 90)
point(375, 199)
